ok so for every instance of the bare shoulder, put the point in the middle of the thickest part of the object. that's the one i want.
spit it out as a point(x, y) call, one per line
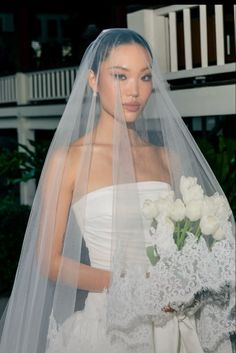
point(76, 148)
point(63, 155)
point(64, 161)
point(79, 145)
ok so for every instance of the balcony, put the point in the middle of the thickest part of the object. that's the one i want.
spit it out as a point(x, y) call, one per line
point(194, 47)
point(195, 50)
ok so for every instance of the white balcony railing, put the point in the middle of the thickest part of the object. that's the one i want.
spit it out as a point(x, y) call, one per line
point(8, 89)
point(51, 84)
point(24, 88)
point(160, 27)
point(180, 34)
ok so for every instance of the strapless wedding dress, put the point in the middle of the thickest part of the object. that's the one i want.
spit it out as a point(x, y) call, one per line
point(85, 331)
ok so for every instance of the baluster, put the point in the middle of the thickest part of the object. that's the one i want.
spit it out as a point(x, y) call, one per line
point(57, 84)
point(187, 40)
point(173, 42)
point(203, 35)
point(220, 55)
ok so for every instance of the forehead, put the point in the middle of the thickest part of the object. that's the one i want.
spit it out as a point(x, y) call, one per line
point(128, 54)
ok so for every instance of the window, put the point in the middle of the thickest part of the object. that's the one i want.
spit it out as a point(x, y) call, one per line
point(6, 22)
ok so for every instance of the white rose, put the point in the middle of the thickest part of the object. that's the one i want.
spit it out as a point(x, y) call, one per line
point(194, 210)
point(209, 225)
point(177, 211)
point(190, 190)
point(165, 226)
point(216, 205)
point(208, 206)
point(149, 209)
point(186, 183)
point(165, 202)
point(166, 195)
point(164, 206)
point(193, 193)
point(219, 234)
point(223, 210)
point(170, 226)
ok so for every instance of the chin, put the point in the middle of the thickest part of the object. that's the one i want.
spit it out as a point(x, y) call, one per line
point(131, 118)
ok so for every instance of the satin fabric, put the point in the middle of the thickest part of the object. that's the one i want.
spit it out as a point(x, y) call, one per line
point(177, 336)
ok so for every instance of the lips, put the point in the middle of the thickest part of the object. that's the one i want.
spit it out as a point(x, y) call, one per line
point(131, 107)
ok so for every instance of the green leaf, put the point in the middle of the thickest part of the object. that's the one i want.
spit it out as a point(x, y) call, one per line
point(152, 255)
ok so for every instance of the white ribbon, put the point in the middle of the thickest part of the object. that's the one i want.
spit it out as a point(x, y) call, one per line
point(177, 336)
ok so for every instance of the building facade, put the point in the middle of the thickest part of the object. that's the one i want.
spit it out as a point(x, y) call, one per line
point(194, 44)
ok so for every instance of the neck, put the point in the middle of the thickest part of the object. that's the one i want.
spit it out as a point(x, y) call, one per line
point(104, 130)
point(103, 133)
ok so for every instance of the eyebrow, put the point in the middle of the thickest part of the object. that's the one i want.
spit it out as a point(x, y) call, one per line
point(125, 68)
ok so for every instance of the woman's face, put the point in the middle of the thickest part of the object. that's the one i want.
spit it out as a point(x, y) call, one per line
point(125, 77)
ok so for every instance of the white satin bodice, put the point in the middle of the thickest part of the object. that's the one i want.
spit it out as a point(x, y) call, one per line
point(94, 215)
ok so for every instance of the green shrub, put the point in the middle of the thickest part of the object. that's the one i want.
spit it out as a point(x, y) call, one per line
point(220, 153)
point(13, 223)
point(16, 166)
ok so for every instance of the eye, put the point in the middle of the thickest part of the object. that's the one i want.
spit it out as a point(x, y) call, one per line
point(120, 77)
point(147, 77)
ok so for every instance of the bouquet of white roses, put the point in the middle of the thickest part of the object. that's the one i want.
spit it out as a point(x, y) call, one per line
point(194, 214)
point(191, 248)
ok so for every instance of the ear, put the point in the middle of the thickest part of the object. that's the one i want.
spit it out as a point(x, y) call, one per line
point(92, 81)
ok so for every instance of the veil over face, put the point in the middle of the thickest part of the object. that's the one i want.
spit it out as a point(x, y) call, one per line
point(119, 132)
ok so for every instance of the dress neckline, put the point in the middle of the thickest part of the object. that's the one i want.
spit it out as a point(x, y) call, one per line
point(96, 192)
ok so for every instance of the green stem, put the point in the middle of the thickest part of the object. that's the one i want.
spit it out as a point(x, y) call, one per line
point(178, 234)
point(198, 232)
point(183, 234)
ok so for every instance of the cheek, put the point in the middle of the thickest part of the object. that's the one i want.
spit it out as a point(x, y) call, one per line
point(147, 93)
point(106, 88)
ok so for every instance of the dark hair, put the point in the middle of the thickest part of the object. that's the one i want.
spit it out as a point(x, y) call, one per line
point(111, 38)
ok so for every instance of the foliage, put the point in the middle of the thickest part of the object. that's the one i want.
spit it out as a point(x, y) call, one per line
point(220, 153)
point(22, 164)
point(15, 166)
point(12, 227)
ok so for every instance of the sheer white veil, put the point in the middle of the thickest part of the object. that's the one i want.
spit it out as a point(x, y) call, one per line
point(46, 289)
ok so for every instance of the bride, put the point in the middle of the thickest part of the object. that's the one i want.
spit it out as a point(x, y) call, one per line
point(120, 150)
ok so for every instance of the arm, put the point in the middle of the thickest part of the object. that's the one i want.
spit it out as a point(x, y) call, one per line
point(54, 215)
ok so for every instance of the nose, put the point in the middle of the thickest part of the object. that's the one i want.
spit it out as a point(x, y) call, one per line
point(133, 88)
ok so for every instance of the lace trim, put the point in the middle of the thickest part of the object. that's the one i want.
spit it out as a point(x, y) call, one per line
point(63, 339)
point(193, 281)
point(53, 330)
